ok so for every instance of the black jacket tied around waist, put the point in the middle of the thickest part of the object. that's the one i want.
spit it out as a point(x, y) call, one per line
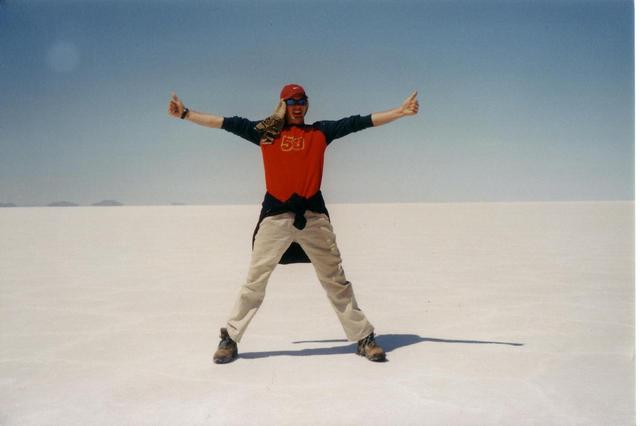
point(298, 205)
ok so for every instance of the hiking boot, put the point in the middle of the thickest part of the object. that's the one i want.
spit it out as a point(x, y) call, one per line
point(368, 347)
point(227, 349)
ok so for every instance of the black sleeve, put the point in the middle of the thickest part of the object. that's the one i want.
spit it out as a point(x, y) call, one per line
point(242, 127)
point(337, 129)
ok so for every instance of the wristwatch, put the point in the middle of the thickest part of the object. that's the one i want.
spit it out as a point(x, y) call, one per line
point(184, 113)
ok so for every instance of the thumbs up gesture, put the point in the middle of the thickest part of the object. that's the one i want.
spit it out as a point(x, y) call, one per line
point(176, 107)
point(410, 106)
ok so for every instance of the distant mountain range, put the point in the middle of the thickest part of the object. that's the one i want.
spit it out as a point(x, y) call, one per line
point(62, 204)
point(108, 203)
point(99, 203)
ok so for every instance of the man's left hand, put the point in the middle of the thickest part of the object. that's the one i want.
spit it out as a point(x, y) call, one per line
point(410, 106)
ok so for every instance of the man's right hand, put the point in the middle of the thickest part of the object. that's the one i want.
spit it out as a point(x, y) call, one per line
point(176, 107)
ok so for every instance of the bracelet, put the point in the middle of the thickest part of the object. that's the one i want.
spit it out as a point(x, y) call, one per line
point(184, 113)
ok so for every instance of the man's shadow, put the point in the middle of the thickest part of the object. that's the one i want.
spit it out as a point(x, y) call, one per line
point(389, 342)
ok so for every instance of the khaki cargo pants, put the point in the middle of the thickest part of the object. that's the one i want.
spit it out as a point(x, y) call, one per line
point(317, 239)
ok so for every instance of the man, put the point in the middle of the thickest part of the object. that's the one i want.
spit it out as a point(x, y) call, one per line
point(294, 223)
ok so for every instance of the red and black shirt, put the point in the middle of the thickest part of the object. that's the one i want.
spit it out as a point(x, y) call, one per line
point(293, 166)
point(294, 162)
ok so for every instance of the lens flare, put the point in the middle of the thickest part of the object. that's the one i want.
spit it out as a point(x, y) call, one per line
point(63, 56)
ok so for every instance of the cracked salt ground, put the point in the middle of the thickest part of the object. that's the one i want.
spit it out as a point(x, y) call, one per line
point(491, 314)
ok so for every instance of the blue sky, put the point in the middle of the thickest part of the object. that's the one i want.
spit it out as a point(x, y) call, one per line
point(520, 100)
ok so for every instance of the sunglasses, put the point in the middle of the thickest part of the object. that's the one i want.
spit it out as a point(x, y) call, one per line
point(291, 102)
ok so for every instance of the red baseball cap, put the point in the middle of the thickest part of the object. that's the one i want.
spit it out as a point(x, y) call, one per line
point(292, 91)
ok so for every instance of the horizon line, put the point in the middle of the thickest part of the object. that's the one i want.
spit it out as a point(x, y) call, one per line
point(10, 205)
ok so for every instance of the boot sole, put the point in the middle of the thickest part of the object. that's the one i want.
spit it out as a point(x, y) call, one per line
point(226, 360)
point(381, 358)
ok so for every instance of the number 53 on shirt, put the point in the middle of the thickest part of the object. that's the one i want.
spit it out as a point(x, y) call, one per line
point(289, 143)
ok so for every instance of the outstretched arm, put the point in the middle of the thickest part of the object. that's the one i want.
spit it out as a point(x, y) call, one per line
point(177, 108)
point(410, 106)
